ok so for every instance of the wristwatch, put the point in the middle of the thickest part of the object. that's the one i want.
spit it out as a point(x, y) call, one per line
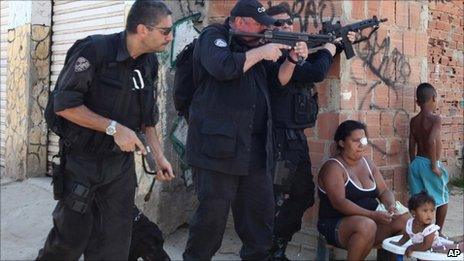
point(111, 129)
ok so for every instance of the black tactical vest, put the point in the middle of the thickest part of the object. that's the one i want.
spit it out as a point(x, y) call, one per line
point(295, 106)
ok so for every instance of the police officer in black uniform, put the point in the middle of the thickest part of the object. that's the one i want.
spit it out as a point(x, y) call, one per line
point(105, 93)
point(294, 108)
point(229, 144)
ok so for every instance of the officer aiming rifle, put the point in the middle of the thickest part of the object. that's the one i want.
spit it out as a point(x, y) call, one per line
point(287, 38)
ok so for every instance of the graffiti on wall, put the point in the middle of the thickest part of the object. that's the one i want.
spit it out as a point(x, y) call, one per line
point(187, 7)
point(440, 1)
point(311, 12)
point(186, 28)
point(391, 68)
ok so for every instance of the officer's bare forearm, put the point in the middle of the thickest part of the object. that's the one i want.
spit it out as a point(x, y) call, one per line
point(153, 140)
point(286, 72)
point(83, 116)
point(252, 57)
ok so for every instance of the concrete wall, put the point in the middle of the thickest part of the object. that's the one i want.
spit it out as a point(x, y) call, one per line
point(28, 67)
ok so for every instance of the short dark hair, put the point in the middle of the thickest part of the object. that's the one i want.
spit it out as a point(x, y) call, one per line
point(281, 8)
point(344, 130)
point(146, 12)
point(420, 199)
point(425, 92)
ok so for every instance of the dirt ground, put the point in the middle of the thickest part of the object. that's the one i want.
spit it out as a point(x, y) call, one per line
point(26, 219)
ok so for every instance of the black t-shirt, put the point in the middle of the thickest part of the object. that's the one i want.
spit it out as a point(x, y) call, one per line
point(101, 75)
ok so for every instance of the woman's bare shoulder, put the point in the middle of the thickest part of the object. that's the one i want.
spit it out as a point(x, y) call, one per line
point(331, 166)
point(371, 163)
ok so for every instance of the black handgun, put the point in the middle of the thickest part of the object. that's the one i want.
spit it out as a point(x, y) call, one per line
point(288, 38)
point(149, 158)
point(342, 31)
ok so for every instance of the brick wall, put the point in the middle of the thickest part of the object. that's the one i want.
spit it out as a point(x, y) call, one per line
point(445, 62)
point(378, 85)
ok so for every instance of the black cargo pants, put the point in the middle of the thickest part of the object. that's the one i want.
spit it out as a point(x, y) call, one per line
point(293, 199)
point(96, 222)
point(252, 205)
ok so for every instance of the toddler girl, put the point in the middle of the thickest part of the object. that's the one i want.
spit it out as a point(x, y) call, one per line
point(421, 228)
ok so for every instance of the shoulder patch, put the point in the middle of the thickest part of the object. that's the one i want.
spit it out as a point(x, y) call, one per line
point(220, 42)
point(81, 64)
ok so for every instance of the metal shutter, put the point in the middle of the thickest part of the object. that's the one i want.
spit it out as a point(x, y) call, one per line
point(3, 75)
point(73, 20)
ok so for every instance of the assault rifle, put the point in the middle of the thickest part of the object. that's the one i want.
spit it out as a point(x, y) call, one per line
point(342, 31)
point(288, 38)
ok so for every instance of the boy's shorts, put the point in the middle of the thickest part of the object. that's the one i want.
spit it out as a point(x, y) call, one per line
point(421, 177)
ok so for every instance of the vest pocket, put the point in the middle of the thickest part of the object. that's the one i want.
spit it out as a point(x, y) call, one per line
point(302, 108)
point(306, 109)
point(218, 139)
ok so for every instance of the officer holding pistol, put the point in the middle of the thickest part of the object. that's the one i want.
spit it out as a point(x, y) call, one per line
point(104, 94)
point(294, 108)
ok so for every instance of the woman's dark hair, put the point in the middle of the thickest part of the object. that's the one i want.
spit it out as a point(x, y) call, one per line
point(146, 12)
point(281, 8)
point(419, 199)
point(344, 130)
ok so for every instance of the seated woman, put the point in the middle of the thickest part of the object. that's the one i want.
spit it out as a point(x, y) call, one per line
point(350, 188)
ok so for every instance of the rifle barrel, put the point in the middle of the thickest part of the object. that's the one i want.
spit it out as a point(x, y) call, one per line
point(292, 36)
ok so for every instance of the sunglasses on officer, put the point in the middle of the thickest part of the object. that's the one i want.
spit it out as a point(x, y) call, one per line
point(288, 21)
point(164, 30)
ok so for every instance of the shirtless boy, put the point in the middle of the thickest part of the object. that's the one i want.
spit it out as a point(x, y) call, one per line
point(426, 172)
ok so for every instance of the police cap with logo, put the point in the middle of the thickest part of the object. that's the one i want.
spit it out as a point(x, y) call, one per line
point(253, 9)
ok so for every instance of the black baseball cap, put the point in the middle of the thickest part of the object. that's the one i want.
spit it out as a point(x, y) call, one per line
point(253, 9)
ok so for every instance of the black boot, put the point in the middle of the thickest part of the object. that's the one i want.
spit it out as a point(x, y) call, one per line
point(279, 245)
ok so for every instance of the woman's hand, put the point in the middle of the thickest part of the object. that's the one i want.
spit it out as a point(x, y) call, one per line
point(393, 211)
point(381, 217)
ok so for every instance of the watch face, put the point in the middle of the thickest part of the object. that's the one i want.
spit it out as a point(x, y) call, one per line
point(110, 130)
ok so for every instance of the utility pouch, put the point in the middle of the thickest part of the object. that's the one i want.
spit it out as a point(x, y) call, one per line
point(302, 107)
point(57, 177)
point(314, 109)
point(282, 174)
point(78, 198)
